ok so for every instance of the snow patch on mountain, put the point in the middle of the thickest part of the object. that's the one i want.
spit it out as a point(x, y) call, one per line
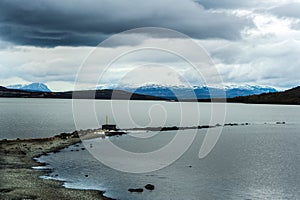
point(192, 92)
point(32, 87)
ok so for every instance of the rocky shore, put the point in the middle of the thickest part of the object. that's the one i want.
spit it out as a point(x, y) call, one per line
point(19, 181)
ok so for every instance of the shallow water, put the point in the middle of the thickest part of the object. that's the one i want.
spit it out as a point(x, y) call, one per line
point(248, 162)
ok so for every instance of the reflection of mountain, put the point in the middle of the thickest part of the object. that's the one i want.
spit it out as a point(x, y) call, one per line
point(197, 92)
point(33, 87)
point(291, 96)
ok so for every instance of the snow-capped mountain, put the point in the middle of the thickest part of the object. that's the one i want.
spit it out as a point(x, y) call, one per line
point(248, 90)
point(169, 92)
point(200, 92)
point(33, 87)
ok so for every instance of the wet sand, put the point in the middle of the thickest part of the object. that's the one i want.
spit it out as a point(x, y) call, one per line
point(19, 181)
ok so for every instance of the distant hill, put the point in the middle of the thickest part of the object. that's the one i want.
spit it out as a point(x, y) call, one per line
point(33, 87)
point(291, 96)
point(166, 92)
point(197, 92)
point(86, 94)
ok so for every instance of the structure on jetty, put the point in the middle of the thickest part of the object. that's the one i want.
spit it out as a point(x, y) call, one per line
point(109, 127)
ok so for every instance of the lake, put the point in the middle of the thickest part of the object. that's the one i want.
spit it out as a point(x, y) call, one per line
point(34, 118)
point(257, 161)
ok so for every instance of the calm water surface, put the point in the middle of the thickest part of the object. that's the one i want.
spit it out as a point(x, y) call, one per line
point(254, 162)
point(259, 161)
point(34, 118)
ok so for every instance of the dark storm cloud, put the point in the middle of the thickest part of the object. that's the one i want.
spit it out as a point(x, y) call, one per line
point(77, 22)
point(26, 35)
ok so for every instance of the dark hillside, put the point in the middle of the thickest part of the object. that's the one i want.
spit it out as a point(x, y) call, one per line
point(291, 96)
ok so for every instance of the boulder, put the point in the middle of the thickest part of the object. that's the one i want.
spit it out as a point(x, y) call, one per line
point(149, 187)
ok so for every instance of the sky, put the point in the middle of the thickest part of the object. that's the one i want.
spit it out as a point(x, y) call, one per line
point(248, 42)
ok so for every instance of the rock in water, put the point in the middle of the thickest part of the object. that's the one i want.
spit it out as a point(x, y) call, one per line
point(136, 190)
point(149, 187)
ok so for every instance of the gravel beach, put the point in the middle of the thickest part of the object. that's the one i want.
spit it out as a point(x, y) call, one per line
point(19, 181)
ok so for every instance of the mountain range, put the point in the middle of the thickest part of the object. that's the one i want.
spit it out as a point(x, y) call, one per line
point(32, 87)
point(291, 96)
point(197, 92)
point(169, 92)
point(84, 94)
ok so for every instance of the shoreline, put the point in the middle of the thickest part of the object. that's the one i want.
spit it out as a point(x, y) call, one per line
point(20, 181)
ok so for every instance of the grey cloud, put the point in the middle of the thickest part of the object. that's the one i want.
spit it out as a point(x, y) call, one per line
point(287, 10)
point(266, 64)
point(290, 10)
point(212, 4)
point(256, 5)
point(26, 35)
point(76, 22)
